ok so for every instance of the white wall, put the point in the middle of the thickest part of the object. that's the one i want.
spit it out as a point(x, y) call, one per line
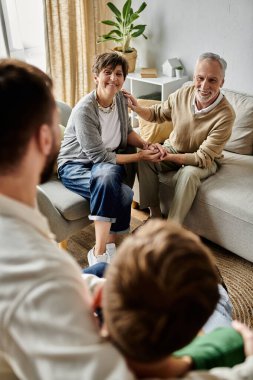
point(187, 28)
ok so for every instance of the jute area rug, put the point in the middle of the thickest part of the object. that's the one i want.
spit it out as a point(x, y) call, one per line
point(236, 272)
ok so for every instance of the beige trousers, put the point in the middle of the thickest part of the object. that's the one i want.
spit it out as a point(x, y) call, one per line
point(185, 180)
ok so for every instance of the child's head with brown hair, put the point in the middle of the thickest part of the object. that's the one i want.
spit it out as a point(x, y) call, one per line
point(161, 288)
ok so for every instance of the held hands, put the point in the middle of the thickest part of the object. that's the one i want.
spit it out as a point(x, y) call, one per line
point(154, 147)
point(149, 155)
point(167, 155)
point(152, 152)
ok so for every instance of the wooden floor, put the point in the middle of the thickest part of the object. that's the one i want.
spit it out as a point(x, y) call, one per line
point(139, 214)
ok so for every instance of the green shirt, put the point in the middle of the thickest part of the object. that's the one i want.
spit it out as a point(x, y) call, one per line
point(223, 347)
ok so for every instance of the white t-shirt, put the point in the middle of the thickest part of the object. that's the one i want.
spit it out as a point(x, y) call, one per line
point(110, 126)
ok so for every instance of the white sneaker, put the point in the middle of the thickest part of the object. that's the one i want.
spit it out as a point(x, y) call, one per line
point(92, 259)
point(111, 250)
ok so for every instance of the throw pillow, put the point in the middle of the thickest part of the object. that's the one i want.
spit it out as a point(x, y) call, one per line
point(241, 140)
point(153, 132)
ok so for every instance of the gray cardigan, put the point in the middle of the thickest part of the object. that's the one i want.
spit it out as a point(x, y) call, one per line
point(82, 138)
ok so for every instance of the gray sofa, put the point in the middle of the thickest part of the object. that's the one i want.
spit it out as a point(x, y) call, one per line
point(223, 208)
point(66, 211)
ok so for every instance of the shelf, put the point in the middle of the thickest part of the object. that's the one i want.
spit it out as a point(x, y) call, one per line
point(162, 79)
point(139, 86)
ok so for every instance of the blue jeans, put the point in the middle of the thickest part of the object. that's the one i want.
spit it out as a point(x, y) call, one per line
point(96, 269)
point(222, 315)
point(102, 184)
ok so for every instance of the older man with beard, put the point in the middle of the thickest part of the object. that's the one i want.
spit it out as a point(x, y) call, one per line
point(47, 326)
point(202, 123)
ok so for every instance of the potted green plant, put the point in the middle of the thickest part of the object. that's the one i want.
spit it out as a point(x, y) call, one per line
point(124, 30)
point(179, 71)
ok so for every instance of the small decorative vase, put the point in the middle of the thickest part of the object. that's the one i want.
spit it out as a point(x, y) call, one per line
point(179, 73)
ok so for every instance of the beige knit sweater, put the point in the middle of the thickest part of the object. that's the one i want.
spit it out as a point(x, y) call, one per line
point(200, 136)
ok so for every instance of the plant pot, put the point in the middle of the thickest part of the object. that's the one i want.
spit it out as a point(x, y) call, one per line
point(130, 57)
point(179, 73)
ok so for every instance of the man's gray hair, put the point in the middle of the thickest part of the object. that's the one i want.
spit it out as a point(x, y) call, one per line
point(214, 57)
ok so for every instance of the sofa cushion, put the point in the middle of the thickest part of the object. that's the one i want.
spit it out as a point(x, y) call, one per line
point(222, 209)
point(241, 140)
point(153, 132)
point(69, 204)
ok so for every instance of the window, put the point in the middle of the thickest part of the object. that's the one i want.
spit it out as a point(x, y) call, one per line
point(22, 31)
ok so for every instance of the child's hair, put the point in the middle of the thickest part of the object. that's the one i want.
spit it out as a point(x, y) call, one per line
point(161, 288)
point(109, 60)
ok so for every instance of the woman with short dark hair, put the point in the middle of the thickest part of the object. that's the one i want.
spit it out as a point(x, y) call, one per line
point(92, 156)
